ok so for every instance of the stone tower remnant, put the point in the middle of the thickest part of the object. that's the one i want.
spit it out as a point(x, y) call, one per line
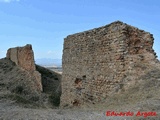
point(24, 57)
point(101, 61)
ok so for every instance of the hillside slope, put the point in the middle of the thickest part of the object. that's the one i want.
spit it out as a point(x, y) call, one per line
point(17, 99)
point(18, 85)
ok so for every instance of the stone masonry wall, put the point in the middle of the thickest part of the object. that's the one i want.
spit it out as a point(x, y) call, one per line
point(104, 60)
point(24, 57)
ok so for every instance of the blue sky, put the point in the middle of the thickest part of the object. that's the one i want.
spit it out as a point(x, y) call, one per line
point(45, 23)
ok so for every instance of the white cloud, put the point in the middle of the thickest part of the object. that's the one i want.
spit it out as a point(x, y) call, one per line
point(50, 52)
point(8, 1)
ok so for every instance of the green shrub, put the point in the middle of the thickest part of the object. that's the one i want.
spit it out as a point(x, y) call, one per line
point(54, 100)
point(34, 98)
point(19, 89)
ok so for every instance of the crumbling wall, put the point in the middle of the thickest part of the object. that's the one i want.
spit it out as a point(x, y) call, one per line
point(104, 60)
point(24, 57)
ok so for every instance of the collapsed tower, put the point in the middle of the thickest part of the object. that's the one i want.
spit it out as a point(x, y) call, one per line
point(102, 61)
point(24, 57)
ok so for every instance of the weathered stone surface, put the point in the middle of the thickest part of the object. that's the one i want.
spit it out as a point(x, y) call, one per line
point(99, 62)
point(24, 57)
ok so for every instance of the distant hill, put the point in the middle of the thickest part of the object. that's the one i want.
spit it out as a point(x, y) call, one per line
point(49, 62)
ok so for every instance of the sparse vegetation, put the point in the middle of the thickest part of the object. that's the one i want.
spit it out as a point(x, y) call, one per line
point(19, 86)
point(51, 84)
point(143, 95)
point(18, 89)
point(54, 100)
point(20, 100)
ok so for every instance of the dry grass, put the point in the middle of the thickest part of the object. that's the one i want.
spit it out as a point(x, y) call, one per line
point(144, 95)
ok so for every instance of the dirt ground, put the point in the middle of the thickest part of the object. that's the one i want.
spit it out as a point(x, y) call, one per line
point(11, 110)
point(144, 96)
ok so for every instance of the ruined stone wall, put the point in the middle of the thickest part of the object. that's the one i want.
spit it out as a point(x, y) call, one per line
point(24, 57)
point(104, 60)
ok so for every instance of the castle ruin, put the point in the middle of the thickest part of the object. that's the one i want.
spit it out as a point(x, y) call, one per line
point(104, 60)
point(24, 57)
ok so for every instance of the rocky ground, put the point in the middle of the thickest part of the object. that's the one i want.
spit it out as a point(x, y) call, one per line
point(9, 110)
point(144, 96)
